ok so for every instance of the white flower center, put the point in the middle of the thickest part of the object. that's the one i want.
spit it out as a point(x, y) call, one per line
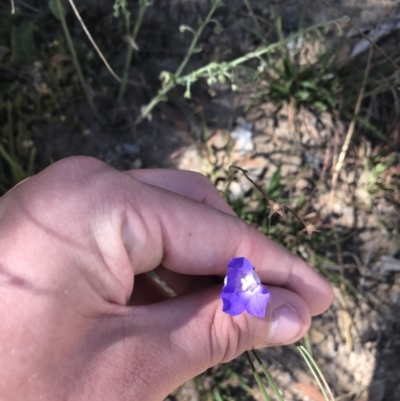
point(249, 283)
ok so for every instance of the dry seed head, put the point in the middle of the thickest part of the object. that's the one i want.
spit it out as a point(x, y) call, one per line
point(275, 207)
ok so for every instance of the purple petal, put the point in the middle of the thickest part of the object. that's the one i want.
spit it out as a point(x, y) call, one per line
point(243, 290)
point(256, 304)
point(240, 263)
point(233, 280)
point(232, 304)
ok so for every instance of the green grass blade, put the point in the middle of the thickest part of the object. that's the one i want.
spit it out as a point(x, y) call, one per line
point(31, 162)
point(268, 377)
point(258, 378)
point(17, 172)
point(71, 47)
point(10, 130)
point(307, 344)
point(217, 395)
point(315, 370)
point(241, 382)
point(129, 54)
point(371, 127)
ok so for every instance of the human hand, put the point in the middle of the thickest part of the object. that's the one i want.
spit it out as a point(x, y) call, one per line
point(81, 319)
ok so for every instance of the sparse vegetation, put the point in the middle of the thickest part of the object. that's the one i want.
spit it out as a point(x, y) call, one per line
point(48, 66)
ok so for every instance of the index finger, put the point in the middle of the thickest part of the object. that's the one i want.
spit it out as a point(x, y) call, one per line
point(190, 237)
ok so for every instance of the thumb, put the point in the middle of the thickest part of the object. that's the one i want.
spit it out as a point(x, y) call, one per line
point(187, 334)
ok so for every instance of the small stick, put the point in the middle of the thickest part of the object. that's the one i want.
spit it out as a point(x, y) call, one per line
point(349, 134)
point(78, 16)
point(276, 207)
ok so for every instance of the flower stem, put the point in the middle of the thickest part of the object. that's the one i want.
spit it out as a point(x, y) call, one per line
point(315, 370)
point(268, 377)
point(258, 378)
point(196, 37)
point(75, 59)
point(129, 54)
point(266, 197)
point(162, 93)
point(92, 41)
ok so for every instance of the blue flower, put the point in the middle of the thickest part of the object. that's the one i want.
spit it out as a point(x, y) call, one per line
point(243, 291)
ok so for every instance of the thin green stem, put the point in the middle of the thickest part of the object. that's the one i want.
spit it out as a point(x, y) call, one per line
point(17, 172)
point(31, 162)
point(307, 343)
point(3, 189)
point(259, 52)
point(319, 377)
point(10, 130)
point(75, 60)
point(10, 156)
point(268, 226)
point(217, 395)
point(196, 38)
point(268, 377)
point(259, 32)
point(218, 67)
point(314, 373)
point(240, 382)
point(129, 54)
point(258, 378)
point(162, 93)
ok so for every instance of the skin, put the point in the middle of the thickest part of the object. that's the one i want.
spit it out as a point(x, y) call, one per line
point(82, 319)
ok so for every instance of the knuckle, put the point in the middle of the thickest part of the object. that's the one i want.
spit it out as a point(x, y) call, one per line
point(200, 181)
point(75, 167)
point(75, 185)
point(230, 338)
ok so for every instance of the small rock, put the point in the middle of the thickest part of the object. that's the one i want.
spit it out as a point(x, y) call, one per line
point(302, 184)
point(282, 131)
point(191, 160)
point(235, 191)
point(351, 177)
point(255, 168)
point(136, 164)
point(316, 336)
point(127, 148)
point(261, 124)
point(219, 140)
point(290, 165)
point(242, 136)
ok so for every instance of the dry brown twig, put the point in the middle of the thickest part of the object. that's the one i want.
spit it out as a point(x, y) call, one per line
point(277, 207)
point(78, 16)
point(349, 134)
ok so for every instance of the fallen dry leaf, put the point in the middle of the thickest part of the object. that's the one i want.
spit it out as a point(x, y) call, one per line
point(310, 390)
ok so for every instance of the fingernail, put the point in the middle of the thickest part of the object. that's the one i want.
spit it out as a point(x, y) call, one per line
point(286, 325)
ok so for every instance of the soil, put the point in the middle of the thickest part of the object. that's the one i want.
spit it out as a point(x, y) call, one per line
point(357, 342)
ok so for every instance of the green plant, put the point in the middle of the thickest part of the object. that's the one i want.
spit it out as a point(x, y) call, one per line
point(374, 169)
point(233, 71)
point(121, 6)
point(287, 80)
point(16, 152)
point(274, 66)
point(290, 76)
